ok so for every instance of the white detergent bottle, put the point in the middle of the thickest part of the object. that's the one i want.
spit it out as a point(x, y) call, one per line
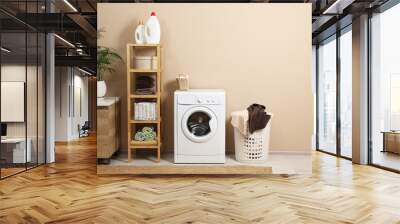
point(152, 30)
point(139, 33)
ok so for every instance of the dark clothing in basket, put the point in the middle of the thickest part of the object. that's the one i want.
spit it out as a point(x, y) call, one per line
point(258, 118)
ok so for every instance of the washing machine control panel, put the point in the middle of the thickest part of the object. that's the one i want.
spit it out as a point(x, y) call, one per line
point(206, 101)
point(199, 99)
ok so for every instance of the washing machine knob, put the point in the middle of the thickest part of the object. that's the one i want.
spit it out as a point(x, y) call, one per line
point(199, 101)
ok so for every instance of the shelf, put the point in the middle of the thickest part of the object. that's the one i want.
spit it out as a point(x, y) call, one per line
point(144, 145)
point(143, 45)
point(152, 142)
point(144, 96)
point(144, 70)
point(144, 122)
point(141, 145)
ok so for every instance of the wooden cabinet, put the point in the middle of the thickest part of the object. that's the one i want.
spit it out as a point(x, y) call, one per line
point(391, 142)
point(108, 120)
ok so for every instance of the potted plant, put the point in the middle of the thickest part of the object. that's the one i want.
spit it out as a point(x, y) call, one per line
point(106, 57)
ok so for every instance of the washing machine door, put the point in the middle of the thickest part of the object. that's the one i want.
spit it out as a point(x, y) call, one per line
point(199, 124)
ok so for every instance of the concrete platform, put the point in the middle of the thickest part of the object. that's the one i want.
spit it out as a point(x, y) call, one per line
point(276, 164)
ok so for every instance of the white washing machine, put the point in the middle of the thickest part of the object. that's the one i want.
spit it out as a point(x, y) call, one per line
point(199, 126)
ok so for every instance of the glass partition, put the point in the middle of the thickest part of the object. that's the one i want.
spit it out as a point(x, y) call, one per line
point(22, 77)
point(13, 94)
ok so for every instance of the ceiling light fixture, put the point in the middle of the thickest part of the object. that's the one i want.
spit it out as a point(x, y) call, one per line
point(84, 71)
point(64, 40)
point(5, 50)
point(79, 51)
point(70, 5)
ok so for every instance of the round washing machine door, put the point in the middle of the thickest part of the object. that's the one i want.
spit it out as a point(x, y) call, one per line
point(199, 124)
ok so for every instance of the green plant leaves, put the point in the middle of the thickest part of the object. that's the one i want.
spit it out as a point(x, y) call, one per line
point(105, 58)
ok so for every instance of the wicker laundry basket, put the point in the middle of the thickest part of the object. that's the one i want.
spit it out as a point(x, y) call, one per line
point(254, 147)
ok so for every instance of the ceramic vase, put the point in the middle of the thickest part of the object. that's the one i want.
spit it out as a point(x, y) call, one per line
point(101, 89)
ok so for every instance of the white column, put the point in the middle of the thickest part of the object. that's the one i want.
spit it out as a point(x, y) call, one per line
point(50, 100)
point(314, 92)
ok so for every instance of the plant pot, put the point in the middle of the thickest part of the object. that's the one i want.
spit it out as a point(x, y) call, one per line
point(101, 89)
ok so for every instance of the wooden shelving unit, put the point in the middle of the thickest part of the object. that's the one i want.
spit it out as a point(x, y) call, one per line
point(132, 97)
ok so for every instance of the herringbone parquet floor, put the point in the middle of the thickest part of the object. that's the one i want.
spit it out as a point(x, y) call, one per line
point(71, 192)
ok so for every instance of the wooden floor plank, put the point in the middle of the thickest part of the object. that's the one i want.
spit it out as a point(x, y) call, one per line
point(70, 191)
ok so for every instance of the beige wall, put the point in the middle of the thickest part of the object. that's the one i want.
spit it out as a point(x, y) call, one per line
point(71, 102)
point(256, 52)
point(17, 73)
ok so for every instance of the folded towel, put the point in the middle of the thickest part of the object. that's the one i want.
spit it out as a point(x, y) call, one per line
point(240, 121)
point(145, 91)
point(149, 136)
point(139, 136)
point(147, 130)
point(145, 82)
point(146, 134)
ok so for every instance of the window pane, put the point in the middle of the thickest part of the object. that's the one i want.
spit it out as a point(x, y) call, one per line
point(385, 93)
point(346, 94)
point(327, 96)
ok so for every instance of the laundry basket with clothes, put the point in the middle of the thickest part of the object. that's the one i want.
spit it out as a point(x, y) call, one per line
point(252, 129)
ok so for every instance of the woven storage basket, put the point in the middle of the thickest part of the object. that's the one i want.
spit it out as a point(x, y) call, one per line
point(254, 147)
